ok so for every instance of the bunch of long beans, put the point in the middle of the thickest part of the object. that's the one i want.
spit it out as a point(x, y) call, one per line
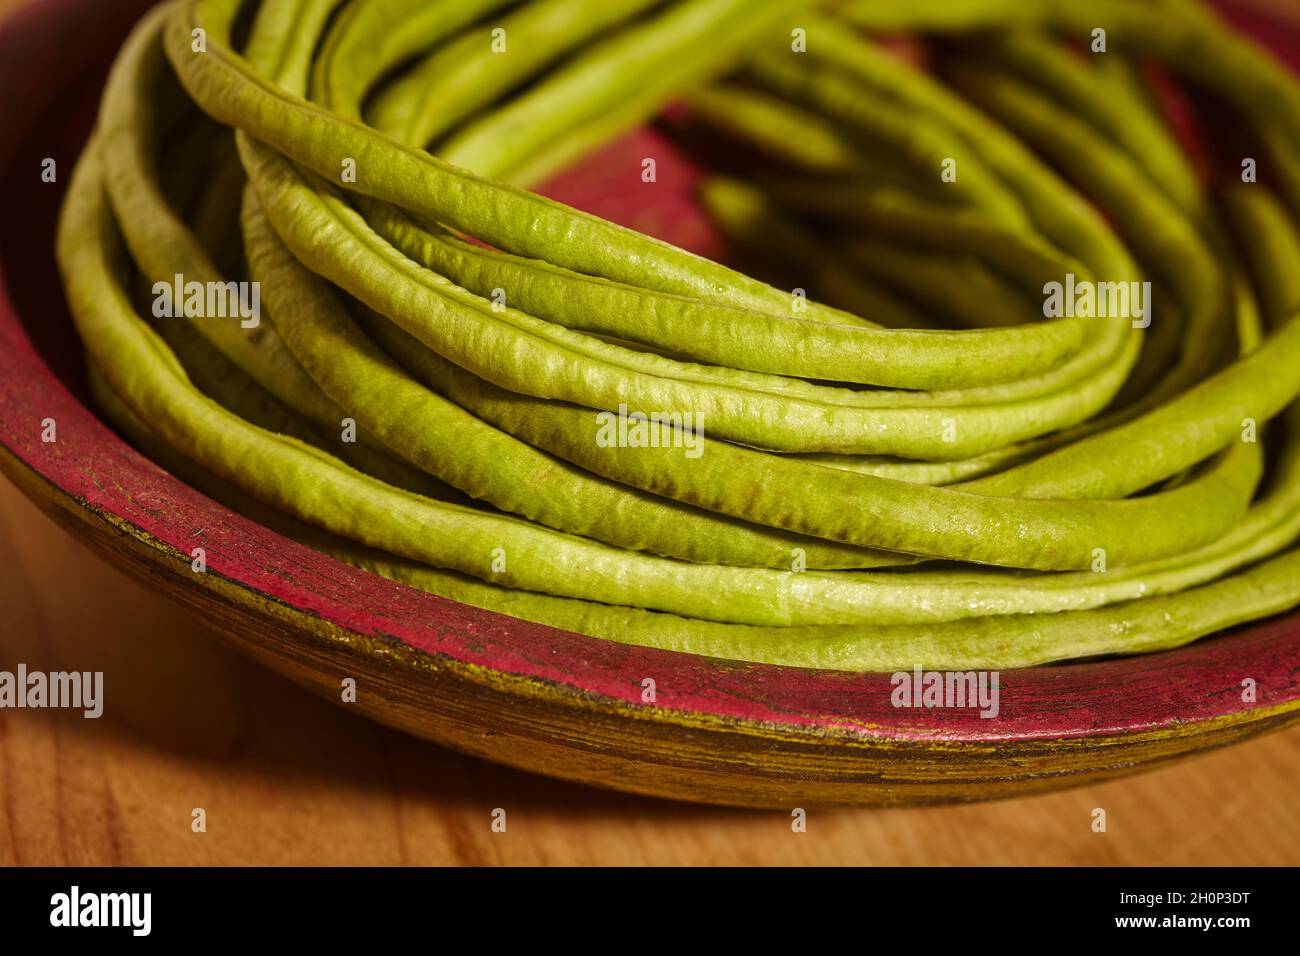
point(925, 471)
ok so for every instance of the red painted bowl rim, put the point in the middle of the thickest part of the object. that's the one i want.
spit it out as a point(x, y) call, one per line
point(97, 469)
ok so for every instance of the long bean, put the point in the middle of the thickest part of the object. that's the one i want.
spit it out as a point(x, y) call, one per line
point(454, 81)
point(530, 226)
point(784, 473)
point(1003, 642)
point(488, 464)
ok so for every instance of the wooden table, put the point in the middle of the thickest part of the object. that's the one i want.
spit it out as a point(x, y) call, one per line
point(286, 778)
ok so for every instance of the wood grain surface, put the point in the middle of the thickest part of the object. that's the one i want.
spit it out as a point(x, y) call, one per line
point(286, 778)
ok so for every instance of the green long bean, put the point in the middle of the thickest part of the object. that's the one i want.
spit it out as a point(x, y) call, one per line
point(787, 482)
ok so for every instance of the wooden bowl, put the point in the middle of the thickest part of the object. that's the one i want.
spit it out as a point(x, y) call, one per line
point(530, 696)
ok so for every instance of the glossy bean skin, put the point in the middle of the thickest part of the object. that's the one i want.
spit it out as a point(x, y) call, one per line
point(1123, 528)
point(362, 43)
point(1175, 435)
point(488, 464)
point(436, 362)
point(519, 352)
point(453, 81)
point(532, 227)
point(843, 505)
point(712, 498)
point(1125, 628)
point(742, 340)
point(1139, 627)
point(87, 314)
point(164, 248)
point(499, 470)
point(613, 86)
